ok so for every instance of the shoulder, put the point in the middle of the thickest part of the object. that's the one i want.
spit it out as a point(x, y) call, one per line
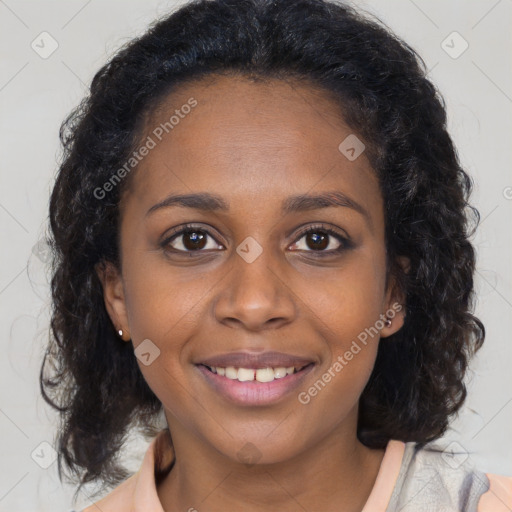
point(138, 493)
point(446, 480)
point(121, 498)
point(499, 496)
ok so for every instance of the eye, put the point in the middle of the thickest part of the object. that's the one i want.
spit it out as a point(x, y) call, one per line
point(190, 238)
point(319, 238)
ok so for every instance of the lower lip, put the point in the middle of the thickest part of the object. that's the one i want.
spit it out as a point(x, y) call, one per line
point(253, 392)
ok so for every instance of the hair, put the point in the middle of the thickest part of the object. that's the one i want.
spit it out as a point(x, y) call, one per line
point(380, 84)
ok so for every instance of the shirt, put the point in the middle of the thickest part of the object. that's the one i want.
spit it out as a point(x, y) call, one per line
point(410, 479)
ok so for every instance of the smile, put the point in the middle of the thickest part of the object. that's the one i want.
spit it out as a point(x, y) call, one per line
point(254, 374)
point(254, 386)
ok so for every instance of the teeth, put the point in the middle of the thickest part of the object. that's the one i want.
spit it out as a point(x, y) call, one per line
point(231, 373)
point(264, 375)
point(280, 372)
point(250, 374)
point(245, 374)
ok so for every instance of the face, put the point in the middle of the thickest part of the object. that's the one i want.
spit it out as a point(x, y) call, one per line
point(262, 278)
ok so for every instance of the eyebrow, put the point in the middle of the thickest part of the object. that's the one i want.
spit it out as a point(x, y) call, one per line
point(303, 202)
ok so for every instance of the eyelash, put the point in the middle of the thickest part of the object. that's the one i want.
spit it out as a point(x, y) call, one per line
point(345, 243)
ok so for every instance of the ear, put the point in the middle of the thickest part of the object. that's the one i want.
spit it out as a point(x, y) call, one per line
point(113, 294)
point(395, 302)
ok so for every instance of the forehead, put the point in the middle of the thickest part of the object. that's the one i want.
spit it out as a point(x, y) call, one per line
point(243, 138)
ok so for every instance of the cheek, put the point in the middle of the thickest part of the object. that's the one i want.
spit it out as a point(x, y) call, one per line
point(346, 300)
point(346, 308)
point(162, 315)
point(163, 303)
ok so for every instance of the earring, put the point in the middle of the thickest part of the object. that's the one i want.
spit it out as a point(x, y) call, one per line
point(387, 323)
point(121, 332)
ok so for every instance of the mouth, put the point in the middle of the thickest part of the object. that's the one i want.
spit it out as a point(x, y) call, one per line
point(246, 379)
point(262, 375)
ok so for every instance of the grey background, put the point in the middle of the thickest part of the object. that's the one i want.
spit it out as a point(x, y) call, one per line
point(35, 95)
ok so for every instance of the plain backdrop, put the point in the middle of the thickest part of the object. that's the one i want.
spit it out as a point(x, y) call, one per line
point(36, 94)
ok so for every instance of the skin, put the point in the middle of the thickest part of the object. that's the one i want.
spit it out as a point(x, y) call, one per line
point(255, 144)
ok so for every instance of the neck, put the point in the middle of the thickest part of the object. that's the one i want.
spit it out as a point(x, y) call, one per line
point(336, 473)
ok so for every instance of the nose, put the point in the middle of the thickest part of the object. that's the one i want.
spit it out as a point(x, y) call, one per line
point(255, 296)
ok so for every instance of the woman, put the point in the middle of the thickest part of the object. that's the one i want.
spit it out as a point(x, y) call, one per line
point(261, 230)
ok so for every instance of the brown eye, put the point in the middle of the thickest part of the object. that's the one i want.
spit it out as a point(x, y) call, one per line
point(321, 240)
point(190, 239)
point(193, 240)
point(318, 240)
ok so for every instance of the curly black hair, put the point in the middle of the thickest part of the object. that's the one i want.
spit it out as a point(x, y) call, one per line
point(381, 86)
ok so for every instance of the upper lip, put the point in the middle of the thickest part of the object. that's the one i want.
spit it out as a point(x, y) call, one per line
point(259, 360)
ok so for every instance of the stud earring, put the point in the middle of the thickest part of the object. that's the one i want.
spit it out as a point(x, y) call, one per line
point(121, 332)
point(387, 323)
